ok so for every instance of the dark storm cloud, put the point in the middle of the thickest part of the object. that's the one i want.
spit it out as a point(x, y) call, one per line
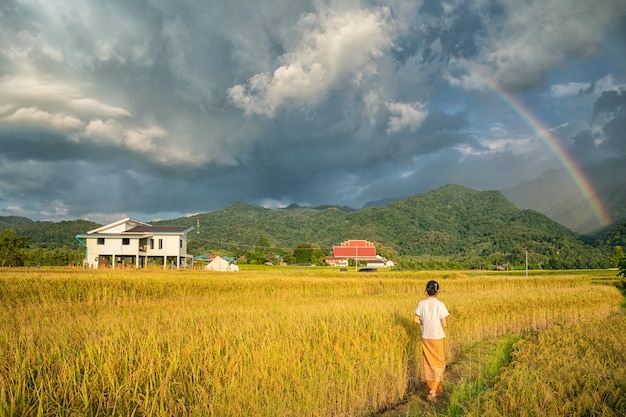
point(611, 103)
point(583, 145)
point(183, 106)
point(609, 110)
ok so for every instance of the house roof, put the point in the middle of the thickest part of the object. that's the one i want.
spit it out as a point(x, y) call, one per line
point(355, 248)
point(118, 226)
point(114, 235)
point(160, 229)
point(128, 226)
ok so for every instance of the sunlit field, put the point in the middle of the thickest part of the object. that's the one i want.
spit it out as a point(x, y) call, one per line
point(267, 342)
point(568, 370)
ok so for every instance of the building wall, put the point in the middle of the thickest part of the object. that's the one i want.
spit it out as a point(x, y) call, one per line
point(170, 246)
point(111, 246)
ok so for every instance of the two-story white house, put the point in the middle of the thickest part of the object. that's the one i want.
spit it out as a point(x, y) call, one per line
point(129, 242)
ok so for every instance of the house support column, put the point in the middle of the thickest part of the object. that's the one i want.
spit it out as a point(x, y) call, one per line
point(164, 262)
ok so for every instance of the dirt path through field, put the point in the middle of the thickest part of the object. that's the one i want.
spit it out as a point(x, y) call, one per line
point(466, 367)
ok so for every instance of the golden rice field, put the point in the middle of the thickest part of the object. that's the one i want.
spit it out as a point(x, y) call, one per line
point(286, 342)
point(568, 370)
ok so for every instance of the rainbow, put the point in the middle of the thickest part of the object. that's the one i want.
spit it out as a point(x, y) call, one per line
point(579, 178)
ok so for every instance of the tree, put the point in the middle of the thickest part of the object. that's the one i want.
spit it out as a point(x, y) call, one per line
point(235, 251)
point(303, 252)
point(622, 267)
point(11, 246)
point(255, 258)
point(318, 255)
point(263, 244)
point(618, 254)
point(386, 252)
point(309, 253)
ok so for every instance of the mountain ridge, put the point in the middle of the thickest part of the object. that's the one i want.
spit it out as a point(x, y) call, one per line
point(558, 195)
point(450, 221)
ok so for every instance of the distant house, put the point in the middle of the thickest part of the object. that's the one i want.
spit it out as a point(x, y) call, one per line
point(334, 261)
point(131, 242)
point(361, 251)
point(221, 264)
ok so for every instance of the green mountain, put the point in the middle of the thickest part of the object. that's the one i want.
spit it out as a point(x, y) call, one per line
point(452, 221)
point(614, 237)
point(558, 196)
point(15, 222)
point(44, 234)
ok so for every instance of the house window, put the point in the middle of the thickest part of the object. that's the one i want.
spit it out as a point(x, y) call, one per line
point(151, 243)
point(100, 241)
point(181, 243)
point(125, 241)
point(160, 243)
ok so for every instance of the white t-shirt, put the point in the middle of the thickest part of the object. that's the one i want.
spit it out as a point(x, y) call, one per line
point(431, 310)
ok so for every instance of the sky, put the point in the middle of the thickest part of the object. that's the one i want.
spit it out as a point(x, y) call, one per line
point(156, 109)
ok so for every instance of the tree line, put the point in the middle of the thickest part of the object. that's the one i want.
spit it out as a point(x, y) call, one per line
point(15, 251)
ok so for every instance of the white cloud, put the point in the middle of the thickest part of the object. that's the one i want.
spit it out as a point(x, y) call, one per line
point(54, 96)
point(95, 107)
point(371, 102)
point(144, 139)
point(140, 140)
point(607, 83)
point(34, 116)
point(333, 47)
point(569, 89)
point(108, 130)
point(407, 116)
point(537, 37)
point(152, 141)
point(29, 89)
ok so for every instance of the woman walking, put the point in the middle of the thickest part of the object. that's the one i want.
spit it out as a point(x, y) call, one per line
point(431, 314)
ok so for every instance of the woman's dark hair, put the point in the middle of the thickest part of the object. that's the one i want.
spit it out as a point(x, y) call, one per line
point(432, 287)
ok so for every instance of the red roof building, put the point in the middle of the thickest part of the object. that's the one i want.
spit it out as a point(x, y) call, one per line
point(359, 250)
point(355, 249)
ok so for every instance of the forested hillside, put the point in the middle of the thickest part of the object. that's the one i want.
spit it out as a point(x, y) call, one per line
point(452, 225)
point(15, 222)
point(556, 195)
point(33, 243)
point(473, 227)
point(43, 234)
point(614, 237)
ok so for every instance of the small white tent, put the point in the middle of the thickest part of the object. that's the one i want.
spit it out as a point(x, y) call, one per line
point(221, 264)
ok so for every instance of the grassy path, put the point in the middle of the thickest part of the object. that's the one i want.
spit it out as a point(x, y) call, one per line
point(471, 372)
point(475, 369)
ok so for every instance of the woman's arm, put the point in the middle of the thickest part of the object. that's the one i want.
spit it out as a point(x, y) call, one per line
point(444, 322)
point(417, 319)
